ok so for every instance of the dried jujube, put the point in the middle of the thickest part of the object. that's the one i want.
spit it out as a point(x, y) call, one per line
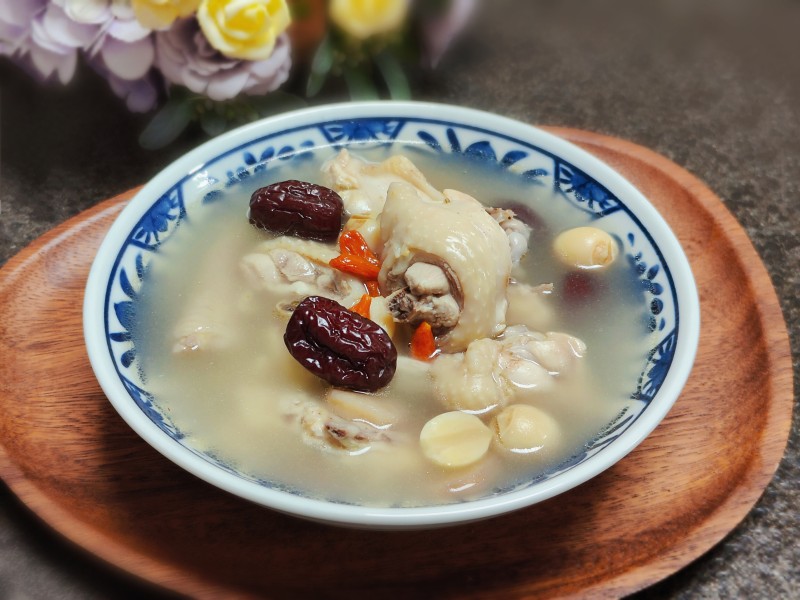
point(298, 208)
point(340, 346)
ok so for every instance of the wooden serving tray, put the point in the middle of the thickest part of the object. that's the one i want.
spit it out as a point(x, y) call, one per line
point(68, 455)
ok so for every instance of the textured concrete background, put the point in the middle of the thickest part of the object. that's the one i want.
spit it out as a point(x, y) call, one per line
point(712, 84)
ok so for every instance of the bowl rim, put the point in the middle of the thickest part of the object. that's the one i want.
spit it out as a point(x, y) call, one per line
point(651, 221)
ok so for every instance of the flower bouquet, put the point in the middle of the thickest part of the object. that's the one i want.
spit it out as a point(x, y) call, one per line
point(221, 63)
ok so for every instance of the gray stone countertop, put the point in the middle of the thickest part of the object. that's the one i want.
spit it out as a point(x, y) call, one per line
point(714, 85)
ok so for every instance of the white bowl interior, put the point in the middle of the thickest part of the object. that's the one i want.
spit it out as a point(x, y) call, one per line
point(579, 178)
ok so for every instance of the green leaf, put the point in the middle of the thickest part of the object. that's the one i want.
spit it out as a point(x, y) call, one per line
point(213, 123)
point(169, 122)
point(360, 85)
point(393, 75)
point(320, 66)
point(315, 83)
point(323, 57)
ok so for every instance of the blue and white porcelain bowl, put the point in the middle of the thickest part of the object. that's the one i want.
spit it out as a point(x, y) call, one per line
point(179, 191)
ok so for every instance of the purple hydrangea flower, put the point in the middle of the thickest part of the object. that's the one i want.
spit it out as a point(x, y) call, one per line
point(185, 58)
point(140, 95)
point(15, 24)
point(42, 38)
point(119, 42)
point(47, 37)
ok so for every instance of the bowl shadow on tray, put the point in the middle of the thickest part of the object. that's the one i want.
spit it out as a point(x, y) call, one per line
point(158, 509)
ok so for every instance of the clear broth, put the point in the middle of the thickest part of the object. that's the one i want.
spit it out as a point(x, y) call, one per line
point(228, 404)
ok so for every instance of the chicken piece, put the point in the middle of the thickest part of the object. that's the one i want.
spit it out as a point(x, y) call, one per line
point(425, 278)
point(412, 380)
point(440, 312)
point(530, 305)
point(207, 323)
point(557, 353)
point(458, 242)
point(494, 372)
point(366, 408)
point(518, 233)
point(380, 313)
point(322, 429)
point(470, 380)
point(294, 268)
point(363, 185)
point(202, 329)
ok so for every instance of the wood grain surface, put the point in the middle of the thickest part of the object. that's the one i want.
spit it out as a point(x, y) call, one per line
point(68, 455)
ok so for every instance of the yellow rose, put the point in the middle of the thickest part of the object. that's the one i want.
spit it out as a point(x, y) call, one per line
point(245, 29)
point(159, 14)
point(364, 18)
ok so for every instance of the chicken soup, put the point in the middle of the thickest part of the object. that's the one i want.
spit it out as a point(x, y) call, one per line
point(455, 333)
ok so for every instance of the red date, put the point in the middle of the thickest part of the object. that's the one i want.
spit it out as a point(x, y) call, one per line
point(298, 208)
point(340, 346)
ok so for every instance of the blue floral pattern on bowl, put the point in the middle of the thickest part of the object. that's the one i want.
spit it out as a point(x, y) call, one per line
point(535, 165)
